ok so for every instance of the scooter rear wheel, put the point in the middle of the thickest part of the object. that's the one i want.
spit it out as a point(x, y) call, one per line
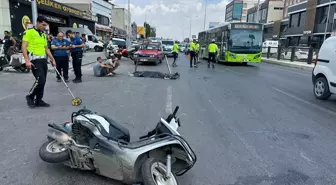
point(153, 173)
point(53, 152)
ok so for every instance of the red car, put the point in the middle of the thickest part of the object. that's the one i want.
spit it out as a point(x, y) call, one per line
point(149, 53)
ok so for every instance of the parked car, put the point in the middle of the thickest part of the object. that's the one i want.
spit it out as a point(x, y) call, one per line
point(149, 53)
point(324, 72)
point(300, 54)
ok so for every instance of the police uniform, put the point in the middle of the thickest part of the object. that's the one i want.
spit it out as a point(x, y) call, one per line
point(197, 46)
point(37, 41)
point(175, 52)
point(61, 57)
point(192, 50)
point(212, 53)
point(77, 55)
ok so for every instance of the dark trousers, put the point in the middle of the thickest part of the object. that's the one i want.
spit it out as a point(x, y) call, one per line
point(62, 65)
point(192, 58)
point(39, 70)
point(77, 64)
point(175, 57)
point(212, 58)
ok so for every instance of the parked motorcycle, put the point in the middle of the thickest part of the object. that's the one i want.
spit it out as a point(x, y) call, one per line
point(97, 143)
point(16, 60)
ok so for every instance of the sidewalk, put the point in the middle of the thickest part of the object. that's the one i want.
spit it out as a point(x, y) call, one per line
point(287, 63)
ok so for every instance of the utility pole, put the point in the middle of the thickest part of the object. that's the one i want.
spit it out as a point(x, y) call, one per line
point(129, 22)
point(326, 26)
point(34, 11)
point(190, 28)
point(258, 7)
point(205, 13)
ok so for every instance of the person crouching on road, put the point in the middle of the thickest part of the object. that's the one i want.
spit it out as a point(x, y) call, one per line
point(192, 50)
point(101, 69)
point(76, 49)
point(59, 45)
point(35, 50)
point(213, 51)
point(175, 53)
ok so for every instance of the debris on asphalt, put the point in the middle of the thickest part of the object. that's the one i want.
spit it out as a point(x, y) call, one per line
point(155, 74)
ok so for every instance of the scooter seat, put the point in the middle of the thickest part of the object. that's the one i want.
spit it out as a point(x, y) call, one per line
point(116, 131)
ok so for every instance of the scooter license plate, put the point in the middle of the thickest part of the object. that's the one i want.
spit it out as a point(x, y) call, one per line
point(143, 60)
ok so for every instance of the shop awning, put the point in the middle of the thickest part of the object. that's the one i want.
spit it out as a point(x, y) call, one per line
point(103, 28)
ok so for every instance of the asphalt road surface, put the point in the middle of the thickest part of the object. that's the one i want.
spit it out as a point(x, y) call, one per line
point(249, 125)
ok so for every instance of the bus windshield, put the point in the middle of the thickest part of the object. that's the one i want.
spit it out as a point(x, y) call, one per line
point(245, 41)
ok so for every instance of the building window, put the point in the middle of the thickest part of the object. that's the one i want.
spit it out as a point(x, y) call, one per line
point(103, 20)
point(245, 5)
point(294, 20)
point(244, 11)
point(302, 19)
point(264, 13)
point(323, 14)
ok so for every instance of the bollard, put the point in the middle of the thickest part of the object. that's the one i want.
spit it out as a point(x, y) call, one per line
point(268, 51)
point(310, 55)
point(293, 54)
point(279, 52)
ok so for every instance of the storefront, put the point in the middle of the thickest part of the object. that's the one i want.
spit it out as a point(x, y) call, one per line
point(57, 14)
point(118, 33)
point(103, 32)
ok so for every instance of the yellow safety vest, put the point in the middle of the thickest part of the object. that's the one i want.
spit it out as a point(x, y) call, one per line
point(192, 46)
point(212, 48)
point(175, 48)
point(37, 41)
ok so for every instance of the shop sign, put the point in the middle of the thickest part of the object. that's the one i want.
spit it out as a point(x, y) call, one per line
point(59, 6)
point(54, 19)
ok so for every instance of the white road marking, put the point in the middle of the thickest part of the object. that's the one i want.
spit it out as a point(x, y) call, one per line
point(169, 103)
point(8, 96)
point(249, 147)
point(306, 102)
point(306, 158)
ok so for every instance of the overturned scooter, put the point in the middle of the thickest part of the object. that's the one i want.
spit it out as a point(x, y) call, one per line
point(95, 142)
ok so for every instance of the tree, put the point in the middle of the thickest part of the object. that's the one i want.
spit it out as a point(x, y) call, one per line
point(147, 30)
point(153, 32)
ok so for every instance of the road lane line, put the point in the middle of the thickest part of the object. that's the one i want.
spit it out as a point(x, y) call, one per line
point(8, 96)
point(294, 72)
point(169, 103)
point(249, 147)
point(306, 102)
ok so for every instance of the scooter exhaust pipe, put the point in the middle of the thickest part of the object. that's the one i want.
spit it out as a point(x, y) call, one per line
point(58, 136)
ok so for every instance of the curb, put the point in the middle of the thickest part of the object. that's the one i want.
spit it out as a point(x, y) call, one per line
point(288, 64)
point(52, 69)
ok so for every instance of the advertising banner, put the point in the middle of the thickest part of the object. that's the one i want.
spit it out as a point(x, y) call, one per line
point(237, 11)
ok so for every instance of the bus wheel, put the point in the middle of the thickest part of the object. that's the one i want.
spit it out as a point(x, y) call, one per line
point(244, 63)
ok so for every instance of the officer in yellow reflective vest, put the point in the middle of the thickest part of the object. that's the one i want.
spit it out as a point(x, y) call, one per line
point(197, 51)
point(213, 51)
point(192, 52)
point(175, 53)
point(35, 50)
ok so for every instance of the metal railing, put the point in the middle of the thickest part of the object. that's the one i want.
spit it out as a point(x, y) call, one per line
point(298, 54)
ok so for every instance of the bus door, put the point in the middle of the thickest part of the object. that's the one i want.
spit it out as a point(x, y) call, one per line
point(222, 47)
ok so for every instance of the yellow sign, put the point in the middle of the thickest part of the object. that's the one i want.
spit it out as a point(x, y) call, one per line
point(74, 25)
point(25, 21)
point(140, 30)
point(58, 6)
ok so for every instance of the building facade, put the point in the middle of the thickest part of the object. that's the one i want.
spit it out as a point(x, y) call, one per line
point(236, 10)
point(134, 31)
point(5, 23)
point(289, 3)
point(100, 11)
point(57, 15)
point(121, 19)
point(269, 11)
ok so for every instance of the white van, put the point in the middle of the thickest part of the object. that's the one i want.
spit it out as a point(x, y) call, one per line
point(270, 43)
point(324, 72)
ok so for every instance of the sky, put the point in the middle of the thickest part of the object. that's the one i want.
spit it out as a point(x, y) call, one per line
point(172, 18)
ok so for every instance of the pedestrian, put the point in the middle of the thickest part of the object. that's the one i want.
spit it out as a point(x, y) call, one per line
point(175, 53)
point(76, 49)
point(192, 50)
point(213, 51)
point(9, 44)
point(59, 45)
point(35, 50)
point(197, 46)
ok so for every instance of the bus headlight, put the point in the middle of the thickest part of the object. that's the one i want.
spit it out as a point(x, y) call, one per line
point(257, 56)
point(232, 55)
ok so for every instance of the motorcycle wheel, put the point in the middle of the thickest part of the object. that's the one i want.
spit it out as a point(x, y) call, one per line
point(153, 173)
point(53, 152)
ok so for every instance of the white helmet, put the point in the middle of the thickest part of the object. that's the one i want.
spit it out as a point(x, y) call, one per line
point(213, 40)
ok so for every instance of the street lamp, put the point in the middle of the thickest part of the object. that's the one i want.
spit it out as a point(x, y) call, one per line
point(189, 27)
point(129, 22)
point(205, 13)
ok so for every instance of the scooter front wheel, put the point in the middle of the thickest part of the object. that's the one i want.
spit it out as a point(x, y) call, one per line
point(154, 173)
point(53, 152)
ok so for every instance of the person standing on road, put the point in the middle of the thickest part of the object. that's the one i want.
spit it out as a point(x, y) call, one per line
point(197, 46)
point(213, 51)
point(10, 43)
point(35, 50)
point(60, 46)
point(76, 49)
point(192, 50)
point(175, 53)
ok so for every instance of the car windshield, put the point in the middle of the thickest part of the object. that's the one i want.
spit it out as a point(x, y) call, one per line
point(245, 41)
point(167, 42)
point(119, 42)
point(148, 47)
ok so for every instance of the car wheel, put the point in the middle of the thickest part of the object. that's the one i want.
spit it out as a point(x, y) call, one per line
point(321, 89)
point(96, 48)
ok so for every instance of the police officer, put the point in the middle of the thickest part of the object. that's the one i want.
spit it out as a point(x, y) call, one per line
point(76, 49)
point(213, 51)
point(192, 50)
point(197, 47)
point(35, 51)
point(175, 53)
point(60, 46)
